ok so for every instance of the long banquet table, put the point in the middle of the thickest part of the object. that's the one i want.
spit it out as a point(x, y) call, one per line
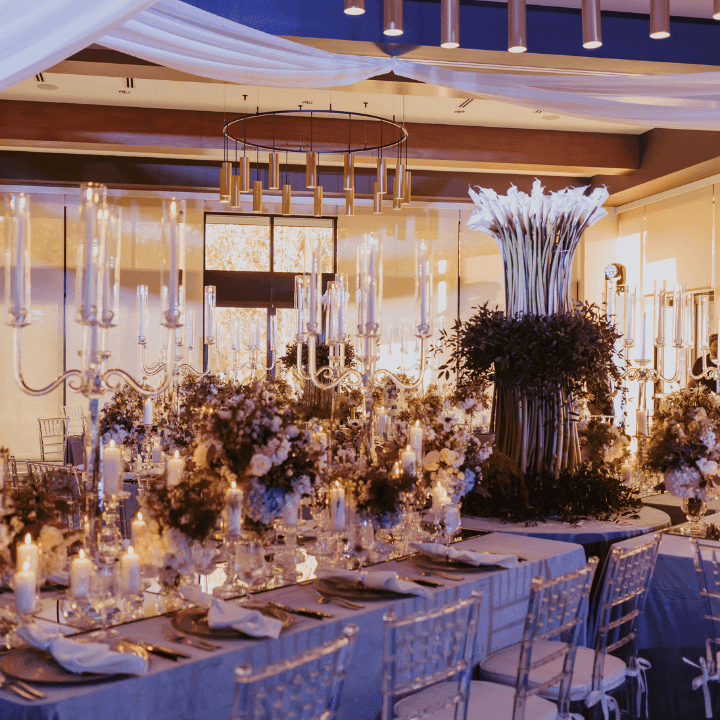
point(201, 687)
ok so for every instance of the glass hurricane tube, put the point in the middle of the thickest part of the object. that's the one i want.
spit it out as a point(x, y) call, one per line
point(98, 269)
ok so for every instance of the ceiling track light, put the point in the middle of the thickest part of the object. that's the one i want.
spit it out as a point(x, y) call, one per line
point(517, 36)
point(393, 17)
point(354, 7)
point(449, 23)
point(659, 19)
point(592, 33)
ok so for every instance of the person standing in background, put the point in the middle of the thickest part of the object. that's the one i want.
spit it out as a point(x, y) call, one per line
point(711, 362)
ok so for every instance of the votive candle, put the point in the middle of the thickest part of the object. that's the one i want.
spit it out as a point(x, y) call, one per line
point(24, 581)
point(233, 510)
point(408, 458)
point(137, 528)
point(175, 468)
point(130, 572)
point(28, 552)
point(81, 569)
point(337, 508)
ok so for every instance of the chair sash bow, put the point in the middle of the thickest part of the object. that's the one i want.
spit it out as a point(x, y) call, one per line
point(703, 680)
point(607, 702)
point(641, 666)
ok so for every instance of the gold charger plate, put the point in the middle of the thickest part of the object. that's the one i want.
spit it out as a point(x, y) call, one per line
point(352, 590)
point(194, 622)
point(39, 666)
point(425, 562)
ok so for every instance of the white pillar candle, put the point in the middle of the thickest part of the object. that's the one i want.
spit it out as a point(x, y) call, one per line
point(642, 337)
point(416, 438)
point(130, 572)
point(175, 467)
point(337, 508)
point(137, 528)
point(233, 510)
point(24, 582)
point(148, 410)
point(382, 424)
point(81, 570)
point(642, 422)
point(626, 473)
point(408, 458)
point(28, 552)
point(156, 452)
point(112, 468)
point(439, 498)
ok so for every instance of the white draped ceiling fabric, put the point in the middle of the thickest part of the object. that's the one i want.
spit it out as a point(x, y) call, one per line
point(179, 36)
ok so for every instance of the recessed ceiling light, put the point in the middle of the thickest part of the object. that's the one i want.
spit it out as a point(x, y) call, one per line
point(550, 117)
point(47, 86)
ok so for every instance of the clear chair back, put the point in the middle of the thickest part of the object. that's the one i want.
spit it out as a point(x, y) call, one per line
point(706, 554)
point(76, 419)
point(627, 575)
point(427, 648)
point(304, 687)
point(64, 482)
point(557, 610)
point(53, 439)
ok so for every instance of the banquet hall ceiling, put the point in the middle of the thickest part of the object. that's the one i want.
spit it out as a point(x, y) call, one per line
point(82, 110)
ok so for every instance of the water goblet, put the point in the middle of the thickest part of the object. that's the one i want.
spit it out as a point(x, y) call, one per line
point(251, 564)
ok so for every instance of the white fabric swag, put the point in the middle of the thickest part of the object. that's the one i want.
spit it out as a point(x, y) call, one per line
point(180, 36)
point(36, 34)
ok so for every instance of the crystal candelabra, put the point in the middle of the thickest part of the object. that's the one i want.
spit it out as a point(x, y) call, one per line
point(314, 326)
point(253, 346)
point(98, 307)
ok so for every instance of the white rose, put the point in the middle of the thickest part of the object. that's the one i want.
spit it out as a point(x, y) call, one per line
point(260, 464)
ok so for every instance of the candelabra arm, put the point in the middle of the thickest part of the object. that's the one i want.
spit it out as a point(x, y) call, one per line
point(315, 376)
point(407, 386)
point(17, 368)
point(299, 368)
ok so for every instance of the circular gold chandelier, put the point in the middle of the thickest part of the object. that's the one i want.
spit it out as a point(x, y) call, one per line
point(313, 133)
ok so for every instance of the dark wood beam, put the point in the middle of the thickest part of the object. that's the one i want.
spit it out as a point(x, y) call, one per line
point(512, 150)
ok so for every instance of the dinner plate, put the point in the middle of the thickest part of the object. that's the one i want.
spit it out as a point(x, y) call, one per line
point(194, 622)
point(426, 562)
point(39, 666)
point(352, 590)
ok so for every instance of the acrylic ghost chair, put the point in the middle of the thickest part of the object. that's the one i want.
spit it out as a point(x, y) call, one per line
point(597, 671)
point(556, 607)
point(53, 439)
point(304, 687)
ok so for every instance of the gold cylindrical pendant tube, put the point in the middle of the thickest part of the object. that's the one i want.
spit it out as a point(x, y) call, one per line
point(257, 196)
point(350, 203)
point(318, 204)
point(244, 174)
point(377, 199)
point(408, 188)
point(382, 175)
point(225, 181)
point(274, 171)
point(286, 199)
point(398, 189)
point(397, 203)
point(235, 192)
point(349, 172)
point(311, 161)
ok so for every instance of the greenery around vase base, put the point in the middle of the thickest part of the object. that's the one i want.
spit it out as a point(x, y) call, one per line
point(588, 492)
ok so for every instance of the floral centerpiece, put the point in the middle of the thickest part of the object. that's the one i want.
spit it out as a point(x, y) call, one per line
point(602, 443)
point(256, 440)
point(182, 518)
point(37, 508)
point(685, 443)
point(382, 492)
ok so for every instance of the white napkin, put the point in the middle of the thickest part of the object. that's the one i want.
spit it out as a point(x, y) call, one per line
point(466, 556)
point(380, 580)
point(77, 657)
point(226, 614)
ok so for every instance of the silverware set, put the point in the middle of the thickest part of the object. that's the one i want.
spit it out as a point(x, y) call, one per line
point(176, 637)
point(20, 688)
point(324, 599)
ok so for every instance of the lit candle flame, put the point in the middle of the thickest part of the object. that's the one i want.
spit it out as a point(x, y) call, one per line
point(417, 423)
point(112, 443)
point(130, 550)
point(177, 454)
point(233, 484)
point(139, 517)
point(28, 539)
point(82, 554)
point(26, 566)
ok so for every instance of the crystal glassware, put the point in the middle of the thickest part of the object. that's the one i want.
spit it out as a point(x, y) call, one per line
point(694, 509)
point(251, 564)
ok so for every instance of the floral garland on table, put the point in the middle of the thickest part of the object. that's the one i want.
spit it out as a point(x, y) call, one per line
point(256, 440)
point(603, 443)
point(685, 443)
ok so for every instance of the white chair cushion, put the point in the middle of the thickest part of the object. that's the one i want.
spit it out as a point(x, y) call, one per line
point(488, 701)
point(502, 667)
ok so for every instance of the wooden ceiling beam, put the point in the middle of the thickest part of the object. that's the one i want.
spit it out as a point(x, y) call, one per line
point(446, 146)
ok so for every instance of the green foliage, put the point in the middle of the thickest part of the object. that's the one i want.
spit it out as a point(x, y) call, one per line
point(573, 351)
point(589, 492)
point(322, 356)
